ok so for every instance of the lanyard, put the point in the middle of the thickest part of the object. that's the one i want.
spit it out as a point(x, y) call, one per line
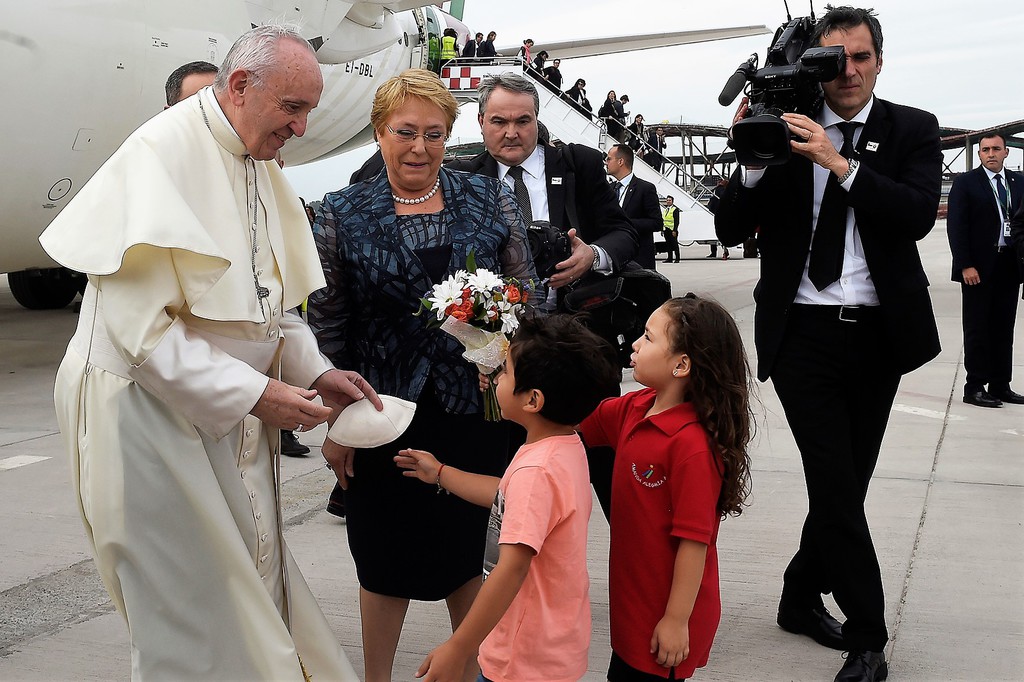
point(1004, 209)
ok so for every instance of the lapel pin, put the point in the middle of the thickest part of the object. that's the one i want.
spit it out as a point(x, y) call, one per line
point(556, 181)
point(871, 147)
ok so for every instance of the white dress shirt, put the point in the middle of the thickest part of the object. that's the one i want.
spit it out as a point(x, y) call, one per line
point(854, 286)
point(535, 179)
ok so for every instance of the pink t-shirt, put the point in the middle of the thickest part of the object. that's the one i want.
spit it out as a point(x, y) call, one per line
point(543, 502)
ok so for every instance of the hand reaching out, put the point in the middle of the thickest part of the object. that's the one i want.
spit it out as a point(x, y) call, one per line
point(418, 464)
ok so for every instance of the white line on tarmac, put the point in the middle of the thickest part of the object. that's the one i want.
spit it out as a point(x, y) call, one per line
point(1013, 432)
point(931, 414)
point(19, 461)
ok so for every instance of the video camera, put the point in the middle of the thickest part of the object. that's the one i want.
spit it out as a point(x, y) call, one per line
point(791, 81)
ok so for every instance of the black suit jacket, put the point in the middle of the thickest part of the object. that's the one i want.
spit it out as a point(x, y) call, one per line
point(895, 198)
point(1017, 235)
point(641, 206)
point(578, 196)
point(486, 49)
point(974, 222)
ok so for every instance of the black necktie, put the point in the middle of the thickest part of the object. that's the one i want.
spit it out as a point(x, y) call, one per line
point(522, 195)
point(617, 188)
point(830, 233)
point(1004, 204)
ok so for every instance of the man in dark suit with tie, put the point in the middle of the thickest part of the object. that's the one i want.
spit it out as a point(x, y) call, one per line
point(639, 200)
point(981, 205)
point(565, 186)
point(842, 312)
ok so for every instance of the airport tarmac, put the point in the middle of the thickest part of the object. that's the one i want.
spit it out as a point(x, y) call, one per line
point(946, 510)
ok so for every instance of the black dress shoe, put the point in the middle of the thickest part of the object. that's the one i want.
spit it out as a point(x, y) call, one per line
point(816, 623)
point(290, 445)
point(1007, 396)
point(982, 399)
point(336, 502)
point(863, 666)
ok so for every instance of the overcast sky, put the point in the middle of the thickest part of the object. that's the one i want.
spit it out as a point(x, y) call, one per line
point(956, 59)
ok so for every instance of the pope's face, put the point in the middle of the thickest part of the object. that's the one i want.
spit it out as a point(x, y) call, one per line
point(270, 112)
point(851, 90)
point(509, 126)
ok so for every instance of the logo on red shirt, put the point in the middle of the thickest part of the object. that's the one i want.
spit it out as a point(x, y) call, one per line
point(649, 475)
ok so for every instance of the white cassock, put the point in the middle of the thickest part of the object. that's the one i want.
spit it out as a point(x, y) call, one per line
point(178, 485)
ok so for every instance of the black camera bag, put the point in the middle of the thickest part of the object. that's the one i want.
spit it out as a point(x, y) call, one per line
point(617, 306)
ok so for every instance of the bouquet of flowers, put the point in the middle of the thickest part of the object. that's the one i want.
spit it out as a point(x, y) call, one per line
point(480, 309)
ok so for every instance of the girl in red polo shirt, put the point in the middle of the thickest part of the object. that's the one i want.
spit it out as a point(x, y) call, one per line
point(681, 465)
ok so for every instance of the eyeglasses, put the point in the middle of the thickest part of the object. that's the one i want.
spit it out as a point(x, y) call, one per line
point(432, 139)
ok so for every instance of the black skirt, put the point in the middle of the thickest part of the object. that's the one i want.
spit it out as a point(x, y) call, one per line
point(407, 540)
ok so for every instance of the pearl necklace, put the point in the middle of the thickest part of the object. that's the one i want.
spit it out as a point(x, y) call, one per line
point(425, 197)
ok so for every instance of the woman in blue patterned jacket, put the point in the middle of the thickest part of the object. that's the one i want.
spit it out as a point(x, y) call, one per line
point(383, 243)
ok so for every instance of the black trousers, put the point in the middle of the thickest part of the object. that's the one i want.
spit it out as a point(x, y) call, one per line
point(837, 388)
point(989, 309)
point(672, 242)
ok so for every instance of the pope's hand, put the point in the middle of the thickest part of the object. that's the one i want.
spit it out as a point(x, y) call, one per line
point(284, 406)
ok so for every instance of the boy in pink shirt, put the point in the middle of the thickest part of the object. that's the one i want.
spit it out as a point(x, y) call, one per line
point(531, 619)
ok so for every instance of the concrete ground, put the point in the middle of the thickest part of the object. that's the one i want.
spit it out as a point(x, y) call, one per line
point(946, 509)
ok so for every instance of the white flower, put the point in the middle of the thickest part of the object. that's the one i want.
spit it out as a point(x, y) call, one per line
point(509, 316)
point(485, 281)
point(445, 294)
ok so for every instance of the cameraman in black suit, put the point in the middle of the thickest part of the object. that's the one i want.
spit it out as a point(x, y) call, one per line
point(842, 312)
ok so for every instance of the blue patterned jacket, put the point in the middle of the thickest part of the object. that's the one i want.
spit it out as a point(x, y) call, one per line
point(365, 319)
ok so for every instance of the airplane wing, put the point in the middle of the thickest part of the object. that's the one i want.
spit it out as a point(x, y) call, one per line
point(590, 47)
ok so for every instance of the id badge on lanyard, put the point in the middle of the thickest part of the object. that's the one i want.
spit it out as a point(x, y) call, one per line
point(1004, 211)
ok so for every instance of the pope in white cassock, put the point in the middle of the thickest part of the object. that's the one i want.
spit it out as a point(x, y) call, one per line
point(185, 366)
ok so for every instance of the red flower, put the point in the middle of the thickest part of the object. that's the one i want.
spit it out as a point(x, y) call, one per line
point(512, 294)
point(461, 312)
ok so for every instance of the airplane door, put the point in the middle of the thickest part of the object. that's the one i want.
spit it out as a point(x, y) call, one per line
point(420, 55)
point(433, 29)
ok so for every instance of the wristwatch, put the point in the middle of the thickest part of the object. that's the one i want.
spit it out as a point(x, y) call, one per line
point(849, 171)
point(597, 258)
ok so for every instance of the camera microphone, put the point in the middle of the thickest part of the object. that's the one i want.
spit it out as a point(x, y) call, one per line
point(734, 86)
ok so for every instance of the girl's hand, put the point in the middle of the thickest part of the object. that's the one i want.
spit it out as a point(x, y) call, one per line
point(420, 464)
point(670, 642)
point(485, 382)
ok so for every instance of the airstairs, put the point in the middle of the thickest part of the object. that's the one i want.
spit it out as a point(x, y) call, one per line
point(568, 123)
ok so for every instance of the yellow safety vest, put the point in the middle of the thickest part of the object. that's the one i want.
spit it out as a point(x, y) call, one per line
point(669, 218)
point(448, 48)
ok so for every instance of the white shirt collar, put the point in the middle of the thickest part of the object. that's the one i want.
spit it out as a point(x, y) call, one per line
point(626, 180)
point(992, 176)
point(830, 118)
point(220, 112)
point(534, 164)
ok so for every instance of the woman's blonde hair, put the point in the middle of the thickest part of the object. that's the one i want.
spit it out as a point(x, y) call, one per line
point(412, 83)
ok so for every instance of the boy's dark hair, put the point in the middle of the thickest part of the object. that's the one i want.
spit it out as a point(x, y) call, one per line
point(846, 18)
point(572, 366)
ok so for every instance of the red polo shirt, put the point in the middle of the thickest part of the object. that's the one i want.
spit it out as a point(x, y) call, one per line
point(665, 486)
